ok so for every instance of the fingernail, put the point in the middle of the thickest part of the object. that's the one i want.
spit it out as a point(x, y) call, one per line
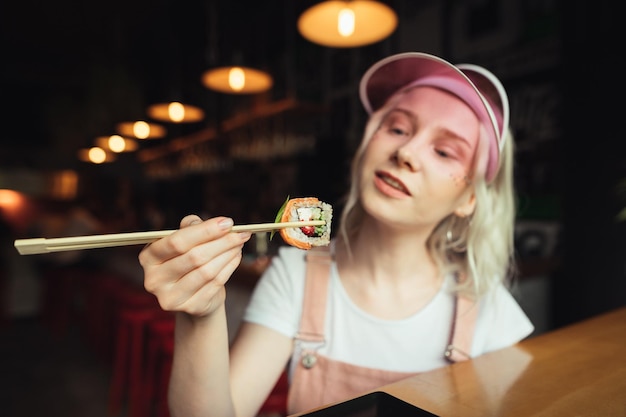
point(226, 223)
point(245, 236)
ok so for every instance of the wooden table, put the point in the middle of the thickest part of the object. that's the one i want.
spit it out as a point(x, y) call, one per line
point(578, 370)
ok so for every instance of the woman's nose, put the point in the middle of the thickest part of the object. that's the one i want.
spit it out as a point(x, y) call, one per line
point(406, 157)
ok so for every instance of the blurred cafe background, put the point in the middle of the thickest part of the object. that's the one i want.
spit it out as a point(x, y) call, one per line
point(90, 142)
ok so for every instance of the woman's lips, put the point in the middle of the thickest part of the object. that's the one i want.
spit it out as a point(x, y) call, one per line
point(387, 181)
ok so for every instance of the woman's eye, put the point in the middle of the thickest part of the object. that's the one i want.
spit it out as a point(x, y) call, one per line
point(397, 131)
point(442, 153)
point(397, 123)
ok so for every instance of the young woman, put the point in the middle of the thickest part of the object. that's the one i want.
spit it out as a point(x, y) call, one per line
point(415, 279)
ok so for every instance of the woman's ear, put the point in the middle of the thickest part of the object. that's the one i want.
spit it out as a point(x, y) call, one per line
point(467, 208)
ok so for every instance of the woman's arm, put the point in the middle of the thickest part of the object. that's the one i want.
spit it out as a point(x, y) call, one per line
point(203, 383)
point(187, 272)
point(199, 382)
point(259, 356)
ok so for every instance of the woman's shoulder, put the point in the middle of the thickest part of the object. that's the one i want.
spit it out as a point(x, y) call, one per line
point(286, 269)
point(501, 320)
point(277, 297)
point(290, 257)
point(293, 257)
point(499, 300)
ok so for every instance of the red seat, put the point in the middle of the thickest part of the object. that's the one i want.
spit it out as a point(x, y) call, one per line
point(162, 407)
point(131, 309)
point(143, 350)
point(158, 366)
point(101, 294)
point(60, 292)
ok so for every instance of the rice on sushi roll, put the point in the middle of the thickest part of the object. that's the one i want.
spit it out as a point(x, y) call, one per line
point(305, 209)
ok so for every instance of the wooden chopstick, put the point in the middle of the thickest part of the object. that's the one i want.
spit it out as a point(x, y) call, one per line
point(46, 245)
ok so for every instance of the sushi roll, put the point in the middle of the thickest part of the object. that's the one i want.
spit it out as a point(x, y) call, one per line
point(305, 209)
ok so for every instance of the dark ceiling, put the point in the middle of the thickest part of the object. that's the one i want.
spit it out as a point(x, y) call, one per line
point(73, 69)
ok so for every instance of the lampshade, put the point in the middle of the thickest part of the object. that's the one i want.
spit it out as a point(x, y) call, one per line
point(141, 130)
point(116, 143)
point(175, 112)
point(237, 80)
point(345, 24)
point(95, 155)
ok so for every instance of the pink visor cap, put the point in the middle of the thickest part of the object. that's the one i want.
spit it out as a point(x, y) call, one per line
point(476, 86)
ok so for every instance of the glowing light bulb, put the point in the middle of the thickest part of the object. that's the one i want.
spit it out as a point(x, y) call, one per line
point(97, 155)
point(117, 143)
point(236, 79)
point(141, 130)
point(176, 111)
point(345, 22)
point(9, 198)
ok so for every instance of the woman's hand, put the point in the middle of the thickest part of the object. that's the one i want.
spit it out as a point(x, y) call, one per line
point(188, 269)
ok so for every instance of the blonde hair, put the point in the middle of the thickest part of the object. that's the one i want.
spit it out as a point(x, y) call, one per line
point(353, 213)
point(479, 247)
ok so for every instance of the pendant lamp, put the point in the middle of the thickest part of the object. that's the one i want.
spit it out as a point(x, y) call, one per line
point(95, 155)
point(141, 130)
point(347, 24)
point(237, 80)
point(175, 112)
point(116, 144)
point(234, 77)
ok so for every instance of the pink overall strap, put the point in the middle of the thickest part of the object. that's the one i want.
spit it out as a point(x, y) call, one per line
point(462, 330)
point(307, 387)
point(315, 295)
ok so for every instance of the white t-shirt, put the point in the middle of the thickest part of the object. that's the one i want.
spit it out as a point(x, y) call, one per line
point(413, 344)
